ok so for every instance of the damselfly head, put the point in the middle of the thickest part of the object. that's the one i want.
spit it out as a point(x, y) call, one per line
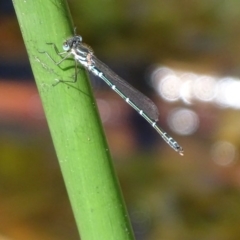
point(72, 42)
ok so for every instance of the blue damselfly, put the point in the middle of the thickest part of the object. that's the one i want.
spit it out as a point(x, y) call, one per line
point(84, 55)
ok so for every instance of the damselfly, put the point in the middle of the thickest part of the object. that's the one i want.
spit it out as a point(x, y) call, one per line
point(84, 55)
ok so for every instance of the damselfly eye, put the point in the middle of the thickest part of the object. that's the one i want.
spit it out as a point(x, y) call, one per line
point(79, 38)
point(65, 46)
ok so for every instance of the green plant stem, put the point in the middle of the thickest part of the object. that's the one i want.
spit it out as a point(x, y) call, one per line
point(74, 124)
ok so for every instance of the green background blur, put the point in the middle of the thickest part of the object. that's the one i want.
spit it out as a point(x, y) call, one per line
point(169, 197)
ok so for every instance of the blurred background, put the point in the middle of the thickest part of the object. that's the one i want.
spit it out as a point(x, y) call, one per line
point(184, 55)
